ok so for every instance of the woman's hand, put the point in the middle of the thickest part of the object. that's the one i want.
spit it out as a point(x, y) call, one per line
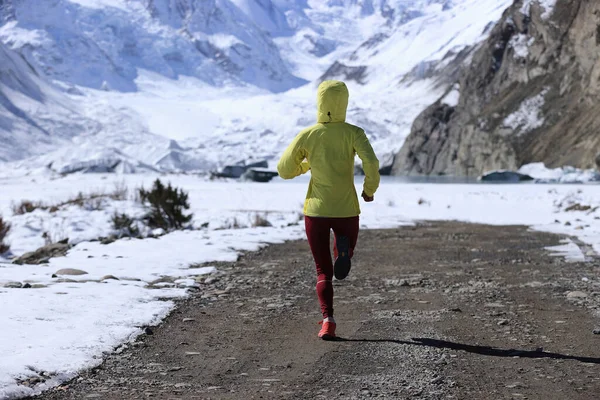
point(366, 198)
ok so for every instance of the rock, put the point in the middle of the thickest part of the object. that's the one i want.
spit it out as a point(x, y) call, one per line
point(189, 319)
point(504, 176)
point(65, 280)
point(511, 98)
point(108, 240)
point(38, 286)
point(12, 285)
point(148, 331)
point(43, 254)
point(576, 295)
point(163, 279)
point(70, 271)
point(596, 331)
point(27, 286)
point(109, 277)
point(503, 322)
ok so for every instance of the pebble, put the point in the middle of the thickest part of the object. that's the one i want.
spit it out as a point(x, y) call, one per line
point(576, 295)
point(13, 285)
point(109, 277)
point(192, 353)
point(596, 331)
point(70, 271)
point(503, 322)
point(189, 319)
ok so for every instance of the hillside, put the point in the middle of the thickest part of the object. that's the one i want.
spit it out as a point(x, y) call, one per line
point(530, 94)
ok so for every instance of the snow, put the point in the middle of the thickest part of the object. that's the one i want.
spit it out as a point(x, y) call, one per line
point(452, 97)
point(171, 91)
point(529, 115)
point(84, 318)
point(520, 44)
point(547, 6)
point(569, 250)
point(559, 175)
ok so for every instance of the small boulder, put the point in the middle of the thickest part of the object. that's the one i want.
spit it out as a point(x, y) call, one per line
point(576, 295)
point(504, 176)
point(70, 271)
point(43, 254)
point(12, 285)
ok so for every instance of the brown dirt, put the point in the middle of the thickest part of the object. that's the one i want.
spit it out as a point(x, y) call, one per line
point(437, 311)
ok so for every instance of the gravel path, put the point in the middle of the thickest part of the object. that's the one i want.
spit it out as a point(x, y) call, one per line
point(437, 311)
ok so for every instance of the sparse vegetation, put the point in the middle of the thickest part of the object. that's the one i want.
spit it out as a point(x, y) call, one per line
point(120, 191)
point(4, 230)
point(27, 206)
point(166, 206)
point(125, 225)
point(260, 221)
point(92, 201)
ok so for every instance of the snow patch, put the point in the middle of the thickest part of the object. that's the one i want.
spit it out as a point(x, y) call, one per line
point(528, 117)
point(566, 174)
point(452, 97)
point(569, 250)
point(520, 44)
point(547, 5)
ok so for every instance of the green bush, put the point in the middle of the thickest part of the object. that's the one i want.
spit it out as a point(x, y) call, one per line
point(125, 225)
point(4, 229)
point(166, 206)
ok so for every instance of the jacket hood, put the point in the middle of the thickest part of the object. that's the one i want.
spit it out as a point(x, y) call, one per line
point(332, 102)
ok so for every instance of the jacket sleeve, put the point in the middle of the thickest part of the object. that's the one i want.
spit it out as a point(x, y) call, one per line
point(293, 162)
point(370, 162)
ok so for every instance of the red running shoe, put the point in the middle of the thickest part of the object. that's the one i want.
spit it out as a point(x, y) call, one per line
point(327, 331)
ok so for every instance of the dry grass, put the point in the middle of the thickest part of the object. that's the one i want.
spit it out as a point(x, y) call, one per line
point(260, 221)
point(92, 201)
point(4, 230)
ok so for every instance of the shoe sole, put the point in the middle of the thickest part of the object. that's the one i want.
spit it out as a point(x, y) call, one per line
point(342, 265)
point(328, 337)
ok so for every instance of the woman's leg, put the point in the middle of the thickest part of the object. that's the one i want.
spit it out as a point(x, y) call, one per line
point(347, 227)
point(318, 234)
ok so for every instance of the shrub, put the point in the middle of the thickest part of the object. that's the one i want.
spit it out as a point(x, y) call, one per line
point(166, 206)
point(125, 225)
point(27, 206)
point(260, 221)
point(4, 229)
point(120, 191)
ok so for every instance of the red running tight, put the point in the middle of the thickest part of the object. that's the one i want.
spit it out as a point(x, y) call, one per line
point(318, 233)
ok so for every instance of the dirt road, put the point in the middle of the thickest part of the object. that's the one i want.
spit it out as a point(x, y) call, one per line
point(437, 311)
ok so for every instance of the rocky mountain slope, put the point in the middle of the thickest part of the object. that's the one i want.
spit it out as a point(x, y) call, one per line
point(530, 94)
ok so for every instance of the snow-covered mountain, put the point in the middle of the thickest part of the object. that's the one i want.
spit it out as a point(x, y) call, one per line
point(192, 84)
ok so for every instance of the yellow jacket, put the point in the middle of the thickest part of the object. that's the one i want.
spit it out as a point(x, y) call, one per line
point(328, 149)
